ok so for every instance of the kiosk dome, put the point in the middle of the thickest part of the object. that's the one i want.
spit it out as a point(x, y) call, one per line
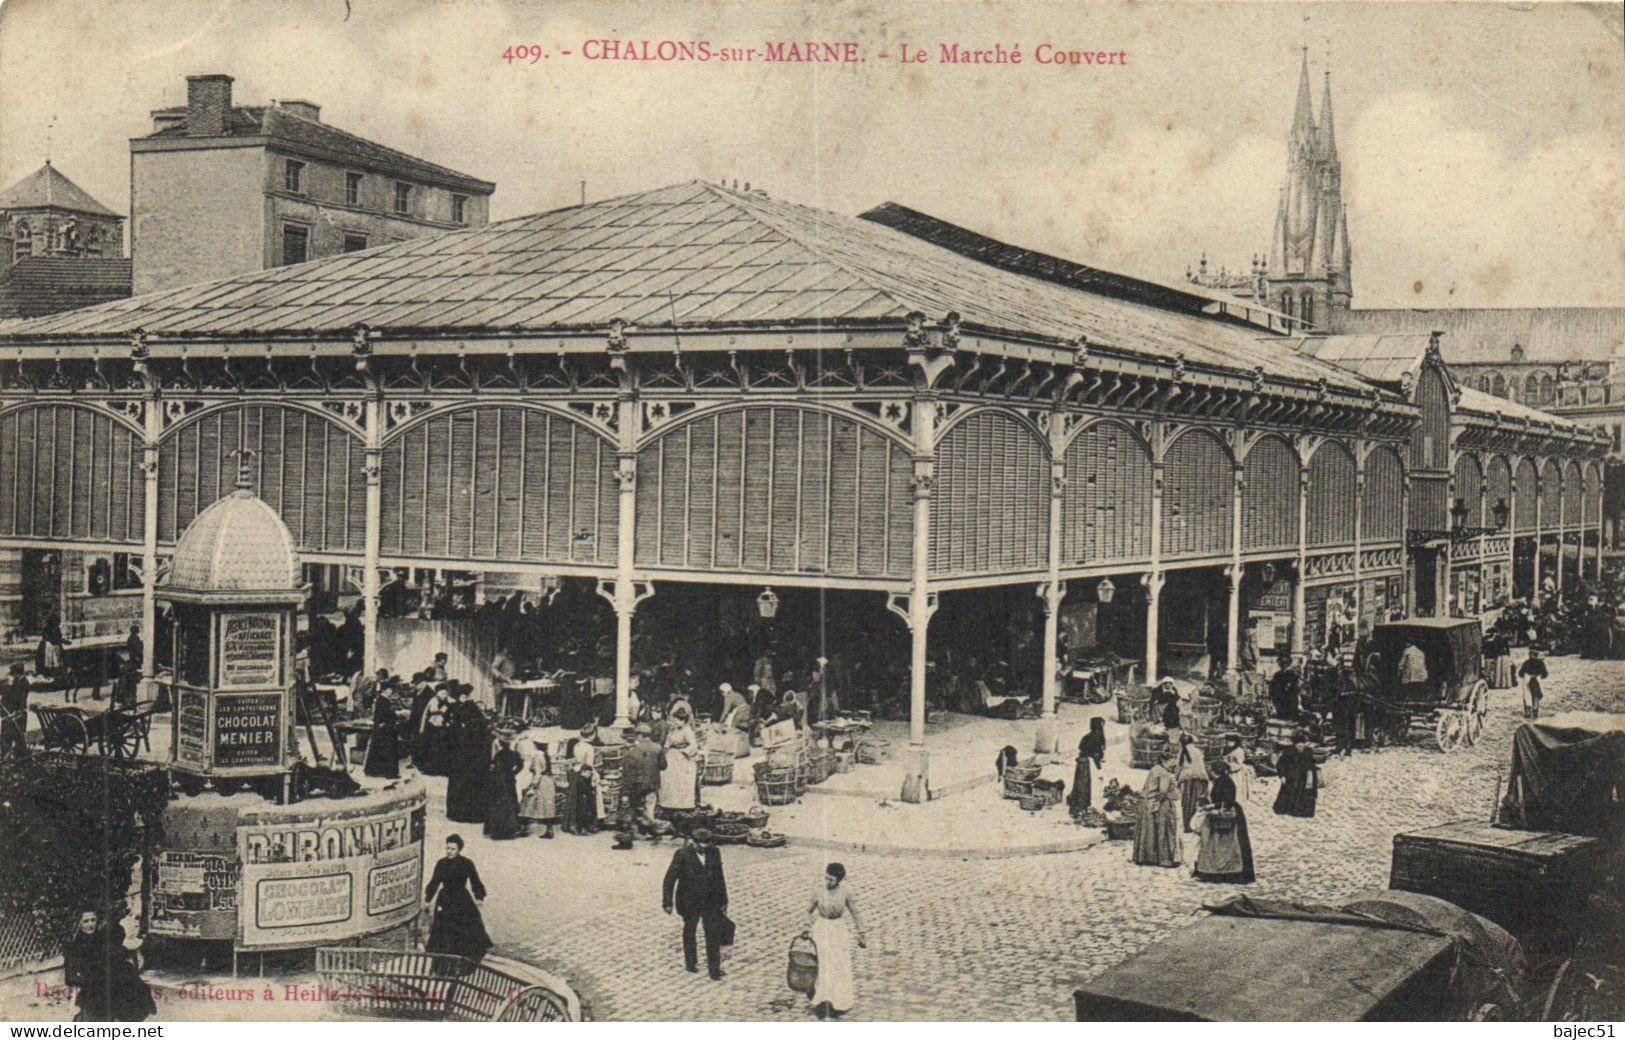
point(237, 548)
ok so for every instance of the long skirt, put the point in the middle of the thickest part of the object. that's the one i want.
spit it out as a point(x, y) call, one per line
point(458, 927)
point(1502, 674)
point(1082, 796)
point(432, 747)
point(1156, 834)
point(541, 800)
point(1297, 797)
point(384, 753)
point(502, 806)
point(677, 781)
point(465, 795)
point(1225, 855)
point(581, 805)
point(834, 941)
point(1192, 793)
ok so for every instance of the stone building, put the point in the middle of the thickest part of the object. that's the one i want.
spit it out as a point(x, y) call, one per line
point(59, 247)
point(220, 189)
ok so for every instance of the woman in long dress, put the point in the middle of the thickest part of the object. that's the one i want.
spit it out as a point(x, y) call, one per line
point(1092, 748)
point(1156, 827)
point(679, 773)
point(468, 761)
point(1192, 777)
point(1300, 779)
point(826, 925)
point(384, 747)
point(434, 735)
point(502, 801)
point(97, 964)
point(1226, 853)
point(456, 892)
point(581, 797)
point(1241, 774)
point(540, 802)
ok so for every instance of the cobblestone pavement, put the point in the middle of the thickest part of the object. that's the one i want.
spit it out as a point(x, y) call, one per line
point(1008, 938)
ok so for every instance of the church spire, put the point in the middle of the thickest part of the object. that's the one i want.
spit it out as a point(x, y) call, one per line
point(1328, 136)
point(1303, 120)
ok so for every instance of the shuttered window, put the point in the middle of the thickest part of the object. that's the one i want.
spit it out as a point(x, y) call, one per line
point(991, 511)
point(70, 472)
point(775, 489)
point(1196, 497)
point(1524, 510)
point(1380, 516)
point(1331, 496)
point(1469, 481)
point(1573, 495)
point(306, 467)
point(1431, 436)
point(1589, 506)
point(1429, 504)
point(1269, 501)
point(499, 483)
point(1551, 495)
point(1106, 514)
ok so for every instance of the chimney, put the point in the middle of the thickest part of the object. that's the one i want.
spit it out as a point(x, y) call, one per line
point(208, 105)
point(303, 109)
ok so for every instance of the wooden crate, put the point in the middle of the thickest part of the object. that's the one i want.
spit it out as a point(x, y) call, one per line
point(1518, 879)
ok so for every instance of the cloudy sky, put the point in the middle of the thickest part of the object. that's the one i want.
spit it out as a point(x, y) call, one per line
point(1483, 144)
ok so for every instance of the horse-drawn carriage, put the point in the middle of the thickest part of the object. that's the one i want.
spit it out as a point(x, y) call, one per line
point(1451, 703)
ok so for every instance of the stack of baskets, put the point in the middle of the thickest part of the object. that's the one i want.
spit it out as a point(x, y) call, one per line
point(775, 785)
point(609, 777)
point(1211, 741)
point(719, 764)
point(1019, 779)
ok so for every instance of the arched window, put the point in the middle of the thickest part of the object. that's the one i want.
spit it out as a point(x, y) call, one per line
point(1306, 307)
point(1548, 389)
point(1498, 385)
point(24, 241)
point(1531, 388)
point(1286, 305)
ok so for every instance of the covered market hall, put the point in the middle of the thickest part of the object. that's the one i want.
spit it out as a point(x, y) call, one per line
point(689, 424)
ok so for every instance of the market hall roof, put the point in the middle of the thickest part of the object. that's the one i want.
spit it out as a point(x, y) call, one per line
point(1487, 335)
point(698, 255)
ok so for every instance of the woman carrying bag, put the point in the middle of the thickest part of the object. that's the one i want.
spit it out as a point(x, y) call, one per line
point(832, 992)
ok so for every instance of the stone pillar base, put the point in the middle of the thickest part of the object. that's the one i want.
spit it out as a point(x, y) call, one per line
point(916, 776)
point(1047, 740)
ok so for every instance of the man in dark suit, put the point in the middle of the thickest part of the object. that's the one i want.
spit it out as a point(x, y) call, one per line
point(702, 895)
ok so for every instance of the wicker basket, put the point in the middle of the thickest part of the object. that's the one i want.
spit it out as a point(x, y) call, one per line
point(872, 750)
point(776, 787)
point(1018, 779)
point(1119, 830)
point(609, 757)
point(1145, 749)
point(783, 756)
point(719, 767)
point(1131, 708)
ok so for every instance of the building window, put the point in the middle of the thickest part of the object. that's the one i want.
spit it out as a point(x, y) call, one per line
point(295, 244)
point(458, 209)
point(25, 241)
point(352, 189)
point(1616, 437)
point(403, 197)
point(353, 242)
point(293, 174)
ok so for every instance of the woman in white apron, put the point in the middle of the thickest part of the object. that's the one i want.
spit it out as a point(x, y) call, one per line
point(679, 773)
point(831, 906)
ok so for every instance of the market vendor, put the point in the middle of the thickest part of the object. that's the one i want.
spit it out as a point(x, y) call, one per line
point(735, 708)
point(1285, 690)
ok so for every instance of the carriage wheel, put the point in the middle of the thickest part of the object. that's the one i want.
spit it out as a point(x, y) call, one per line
point(125, 741)
point(1447, 732)
point(1472, 726)
point(1481, 701)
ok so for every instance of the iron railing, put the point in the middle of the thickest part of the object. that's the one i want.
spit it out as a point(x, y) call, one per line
point(442, 987)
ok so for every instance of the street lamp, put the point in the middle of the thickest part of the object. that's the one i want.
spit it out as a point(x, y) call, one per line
point(1105, 590)
point(1458, 512)
point(768, 604)
point(1500, 511)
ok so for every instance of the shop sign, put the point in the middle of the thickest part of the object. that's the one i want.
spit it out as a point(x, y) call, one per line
point(1277, 597)
point(250, 650)
point(324, 878)
point(193, 896)
point(248, 730)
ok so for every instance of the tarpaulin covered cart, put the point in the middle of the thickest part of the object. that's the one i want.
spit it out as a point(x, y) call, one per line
point(1392, 956)
point(1454, 701)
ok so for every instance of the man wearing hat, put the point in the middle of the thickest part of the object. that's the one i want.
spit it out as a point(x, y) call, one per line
point(640, 772)
point(701, 895)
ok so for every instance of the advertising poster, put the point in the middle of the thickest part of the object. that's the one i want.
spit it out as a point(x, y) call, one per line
point(193, 896)
point(192, 729)
point(250, 650)
point(330, 877)
point(248, 730)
